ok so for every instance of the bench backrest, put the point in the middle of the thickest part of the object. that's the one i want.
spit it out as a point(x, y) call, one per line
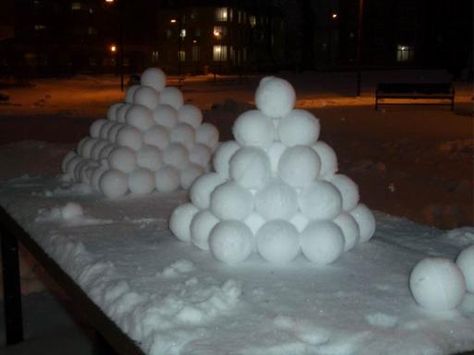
point(422, 88)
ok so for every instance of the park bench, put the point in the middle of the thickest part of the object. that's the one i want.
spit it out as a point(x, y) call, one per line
point(426, 91)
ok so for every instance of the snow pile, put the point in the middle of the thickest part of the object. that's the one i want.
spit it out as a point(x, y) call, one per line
point(274, 190)
point(152, 141)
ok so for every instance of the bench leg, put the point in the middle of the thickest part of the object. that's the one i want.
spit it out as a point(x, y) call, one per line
point(11, 289)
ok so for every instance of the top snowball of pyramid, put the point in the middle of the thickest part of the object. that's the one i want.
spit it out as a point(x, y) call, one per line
point(155, 78)
point(275, 97)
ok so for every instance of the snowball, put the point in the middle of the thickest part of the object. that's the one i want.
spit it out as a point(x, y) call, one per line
point(97, 148)
point(165, 115)
point(157, 136)
point(180, 221)
point(231, 201)
point(130, 93)
point(300, 221)
point(96, 176)
point(203, 186)
point(96, 126)
point(67, 158)
point(437, 284)
point(167, 179)
point(254, 129)
point(106, 151)
point(222, 156)
point(171, 96)
point(275, 97)
point(122, 111)
point(141, 181)
point(328, 159)
point(78, 169)
point(348, 189)
point(130, 137)
point(191, 115)
point(146, 96)
point(250, 167)
point(71, 210)
point(320, 200)
point(85, 173)
point(350, 230)
point(153, 77)
point(201, 227)
point(465, 261)
point(140, 117)
point(299, 166)
point(277, 241)
point(276, 200)
point(70, 166)
point(112, 112)
point(200, 155)
point(183, 133)
point(113, 184)
point(113, 132)
point(275, 152)
point(208, 135)
point(322, 242)
point(176, 155)
point(149, 157)
point(87, 147)
point(189, 174)
point(254, 221)
point(299, 127)
point(80, 144)
point(123, 159)
point(230, 241)
point(366, 221)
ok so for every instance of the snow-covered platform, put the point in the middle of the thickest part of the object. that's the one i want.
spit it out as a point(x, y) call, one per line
point(173, 299)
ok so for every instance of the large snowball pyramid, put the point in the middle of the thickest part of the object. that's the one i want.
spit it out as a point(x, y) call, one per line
point(437, 284)
point(275, 97)
point(465, 261)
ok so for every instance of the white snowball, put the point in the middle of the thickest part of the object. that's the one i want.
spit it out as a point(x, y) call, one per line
point(180, 221)
point(300, 221)
point(149, 157)
point(275, 151)
point(277, 200)
point(299, 166)
point(85, 173)
point(123, 159)
point(183, 133)
point(465, 261)
point(366, 221)
point(71, 165)
point(230, 242)
point(254, 221)
point(250, 167)
point(130, 93)
point(130, 137)
point(113, 131)
point(348, 189)
point(146, 96)
point(252, 128)
point(200, 155)
point(153, 77)
point(203, 186)
point(71, 210)
point(67, 158)
point(167, 179)
point(350, 230)
point(328, 159)
point(157, 136)
point(231, 201)
point(122, 112)
point(80, 144)
point(141, 181)
point(96, 126)
point(189, 174)
point(222, 156)
point(320, 200)
point(78, 169)
point(275, 97)
point(191, 115)
point(322, 242)
point(437, 284)
point(112, 111)
point(277, 241)
point(176, 155)
point(106, 151)
point(165, 115)
point(299, 127)
point(97, 148)
point(140, 117)
point(96, 176)
point(201, 227)
point(87, 147)
point(113, 184)
point(171, 96)
point(208, 135)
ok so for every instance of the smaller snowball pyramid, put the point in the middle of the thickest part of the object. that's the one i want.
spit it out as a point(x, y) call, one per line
point(151, 141)
point(274, 190)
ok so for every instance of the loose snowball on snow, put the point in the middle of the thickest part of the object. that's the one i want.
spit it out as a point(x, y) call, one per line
point(130, 137)
point(180, 221)
point(348, 189)
point(208, 135)
point(114, 184)
point(176, 155)
point(230, 242)
point(141, 181)
point(277, 241)
point(149, 157)
point(277, 200)
point(299, 166)
point(322, 242)
point(189, 174)
point(328, 159)
point(320, 200)
point(203, 186)
point(95, 128)
point(123, 159)
point(191, 115)
point(437, 284)
point(140, 117)
point(350, 230)
point(299, 127)
point(222, 156)
point(71, 210)
point(201, 227)
point(155, 78)
point(250, 167)
point(183, 133)
point(157, 136)
point(465, 261)
point(171, 96)
point(366, 221)
point(166, 116)
point(146, 96)
point(231, 201)
point(167, 179)
point(275, 97)
point(253, 128)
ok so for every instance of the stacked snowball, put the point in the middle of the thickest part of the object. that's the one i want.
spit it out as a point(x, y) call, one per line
point(151, 141)
point(274, 190)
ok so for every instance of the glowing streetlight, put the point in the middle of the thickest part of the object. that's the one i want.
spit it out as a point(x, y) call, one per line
point(173, 20)
point(334, 15)
point(113, 48)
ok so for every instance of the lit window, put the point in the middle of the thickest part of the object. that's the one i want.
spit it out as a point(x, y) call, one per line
point(154, 57)
point(195, 54)
point(405, 53)
point(76, 6)
point(253, 21)
point(221, 14)
point(169, 33)
point(182, 55)
point(182, 34)
point(219, 31)
point(40, 27)
point(219, 53)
